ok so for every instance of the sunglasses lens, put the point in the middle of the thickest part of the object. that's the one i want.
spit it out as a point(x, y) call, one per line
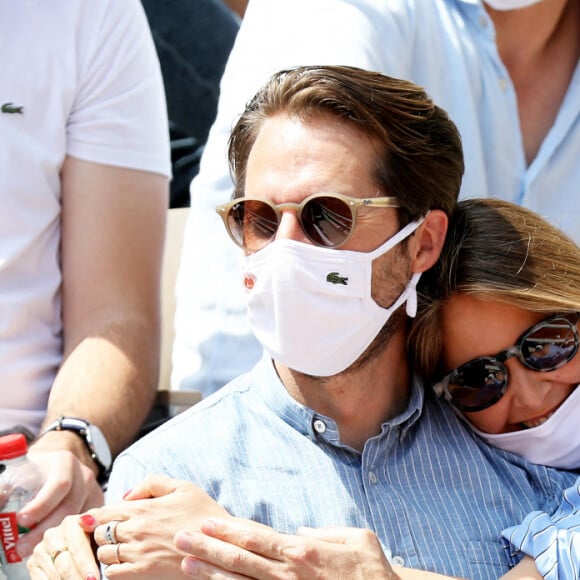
point(549, 345)
point(327, 220)
point(478, 384)
point(252, 223)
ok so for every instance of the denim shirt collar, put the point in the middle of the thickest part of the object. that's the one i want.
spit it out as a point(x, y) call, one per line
point(315, 425)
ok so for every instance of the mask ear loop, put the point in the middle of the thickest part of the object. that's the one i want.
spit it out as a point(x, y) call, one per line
point(411, 305)
point(412, 297)
point(396, 238)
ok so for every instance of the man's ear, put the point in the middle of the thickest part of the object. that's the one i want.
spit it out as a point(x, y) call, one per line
point(426, 245)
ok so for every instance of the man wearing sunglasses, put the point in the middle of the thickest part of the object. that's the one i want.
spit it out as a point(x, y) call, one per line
point(506, 71)
point(344, 181)
point(483, 313)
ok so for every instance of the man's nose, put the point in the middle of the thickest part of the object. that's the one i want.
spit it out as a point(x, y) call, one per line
point(290, 228)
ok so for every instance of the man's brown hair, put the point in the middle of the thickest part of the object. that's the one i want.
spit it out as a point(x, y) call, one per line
point(421, 163)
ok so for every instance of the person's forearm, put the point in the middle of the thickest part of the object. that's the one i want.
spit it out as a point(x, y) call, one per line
point(525, 570)
point(113, 224)
point(108, 378)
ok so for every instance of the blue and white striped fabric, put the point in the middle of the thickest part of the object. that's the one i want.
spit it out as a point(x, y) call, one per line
point(553, 540)
point(435, 494)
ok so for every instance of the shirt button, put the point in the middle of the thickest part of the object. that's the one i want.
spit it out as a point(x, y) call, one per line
point(483, 21)
point(372, 477)
point(503, 84)
point(319, 426)
point(398, 561)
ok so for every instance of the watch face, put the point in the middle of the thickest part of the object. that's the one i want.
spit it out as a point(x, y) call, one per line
point(101, 448)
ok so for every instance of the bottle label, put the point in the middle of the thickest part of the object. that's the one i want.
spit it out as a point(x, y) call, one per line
point(9, 537)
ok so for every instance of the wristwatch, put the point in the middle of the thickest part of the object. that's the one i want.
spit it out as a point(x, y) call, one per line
point(93, 438)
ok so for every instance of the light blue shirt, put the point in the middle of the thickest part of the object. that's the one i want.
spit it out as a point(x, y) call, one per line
point(435, 494)
point(447, 46)
point(553, 540)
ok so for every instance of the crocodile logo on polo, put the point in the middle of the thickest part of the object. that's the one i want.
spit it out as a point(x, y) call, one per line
point(13, 109)
point(336, 278)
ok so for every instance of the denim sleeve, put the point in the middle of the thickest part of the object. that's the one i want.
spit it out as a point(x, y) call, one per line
point(552, 540)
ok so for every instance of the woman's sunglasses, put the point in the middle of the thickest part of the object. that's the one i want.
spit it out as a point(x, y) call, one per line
point(481, 382)
point(327, 219)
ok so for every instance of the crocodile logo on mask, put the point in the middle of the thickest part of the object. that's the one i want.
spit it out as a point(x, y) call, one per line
point(336, 278)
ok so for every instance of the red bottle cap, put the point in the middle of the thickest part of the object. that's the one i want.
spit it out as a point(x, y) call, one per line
point(12, 446)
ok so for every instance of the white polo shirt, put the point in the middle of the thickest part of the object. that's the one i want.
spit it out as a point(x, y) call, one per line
point(81, 78)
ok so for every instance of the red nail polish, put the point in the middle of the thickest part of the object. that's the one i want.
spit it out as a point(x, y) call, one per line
point(91, 577)
point(127, 493)
point(88, 520)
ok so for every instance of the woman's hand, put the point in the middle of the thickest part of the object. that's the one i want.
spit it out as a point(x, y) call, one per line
point(234, 549)
point(65, 552)
point(134, 538)
point(148, 519)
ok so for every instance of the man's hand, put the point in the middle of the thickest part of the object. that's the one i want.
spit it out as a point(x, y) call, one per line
point(237, 549)
point(69, 487)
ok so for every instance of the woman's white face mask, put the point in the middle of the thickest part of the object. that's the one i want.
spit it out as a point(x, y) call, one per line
point(510, 4)
point(554, 442)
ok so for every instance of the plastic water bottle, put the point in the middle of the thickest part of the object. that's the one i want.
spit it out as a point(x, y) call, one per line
point(20, 480)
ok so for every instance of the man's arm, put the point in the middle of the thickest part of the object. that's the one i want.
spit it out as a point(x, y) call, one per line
point(259, 552)
point(113, 226)
point(236, 548)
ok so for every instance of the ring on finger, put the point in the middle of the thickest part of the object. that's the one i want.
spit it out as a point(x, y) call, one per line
point(110, 554)
point(58, 552)
point(110, 529)
point(117, 555)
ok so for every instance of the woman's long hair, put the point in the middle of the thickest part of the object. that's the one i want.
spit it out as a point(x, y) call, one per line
point(496, 251)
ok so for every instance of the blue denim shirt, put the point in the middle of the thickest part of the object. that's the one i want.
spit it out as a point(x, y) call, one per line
point(435, 494)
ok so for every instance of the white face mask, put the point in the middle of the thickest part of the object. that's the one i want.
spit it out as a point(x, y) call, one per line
point(311, 307)
point(510, 4)
point(556, 442)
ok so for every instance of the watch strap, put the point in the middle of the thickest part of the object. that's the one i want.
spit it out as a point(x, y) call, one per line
point(82, 428)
